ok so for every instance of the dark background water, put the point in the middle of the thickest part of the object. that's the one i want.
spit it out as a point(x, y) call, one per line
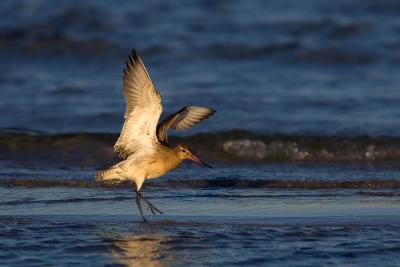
point(298, 185)
point(319, 67)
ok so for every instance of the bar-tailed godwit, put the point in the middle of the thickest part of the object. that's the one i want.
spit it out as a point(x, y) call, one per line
point(143, 142)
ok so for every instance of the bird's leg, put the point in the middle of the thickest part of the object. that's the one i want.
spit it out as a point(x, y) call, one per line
point(139, 205)
point(151, 205)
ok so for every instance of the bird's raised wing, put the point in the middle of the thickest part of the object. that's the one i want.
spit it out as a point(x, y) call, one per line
point(143, 109)
point(182, 120)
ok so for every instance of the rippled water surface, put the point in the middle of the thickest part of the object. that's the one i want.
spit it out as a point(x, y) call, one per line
point(278, 66)
point(305, 142)
point(121, 241)
point(294, 215)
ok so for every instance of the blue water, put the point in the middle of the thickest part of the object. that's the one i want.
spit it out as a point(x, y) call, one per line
point(74, 220)
point(275, 66)
point(299, 69)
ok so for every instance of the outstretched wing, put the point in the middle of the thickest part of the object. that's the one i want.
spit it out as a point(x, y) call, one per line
point(182, 120)
point(143, 109)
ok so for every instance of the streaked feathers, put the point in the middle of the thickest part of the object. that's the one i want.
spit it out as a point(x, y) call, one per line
point(142, 143)
point(114, 173)
point(184, 119)
point(143, 109)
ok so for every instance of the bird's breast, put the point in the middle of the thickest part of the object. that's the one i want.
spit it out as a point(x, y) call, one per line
point(157, 166)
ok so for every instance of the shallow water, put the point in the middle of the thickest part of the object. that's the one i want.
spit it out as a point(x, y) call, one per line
point(308, 215)
point(305, 144)
point(74, 240)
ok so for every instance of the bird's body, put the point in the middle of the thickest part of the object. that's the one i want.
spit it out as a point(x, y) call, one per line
point(141, 166)
point(143, 143)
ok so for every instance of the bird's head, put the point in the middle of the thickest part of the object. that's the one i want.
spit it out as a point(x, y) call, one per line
point(184, 152)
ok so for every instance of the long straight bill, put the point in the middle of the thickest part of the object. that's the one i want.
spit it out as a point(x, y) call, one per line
point(199, 161)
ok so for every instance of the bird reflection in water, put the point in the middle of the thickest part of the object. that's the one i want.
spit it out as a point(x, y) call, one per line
point(141, 250)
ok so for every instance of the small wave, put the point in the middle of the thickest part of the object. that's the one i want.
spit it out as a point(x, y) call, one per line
point(60, 201)
point(325, 55)
point(213, 194)
point(230, 146)
point(246, 51)
point(33, 183)
point(278, 184)
point(62, 33)
point(379, 193)
point(208, 183)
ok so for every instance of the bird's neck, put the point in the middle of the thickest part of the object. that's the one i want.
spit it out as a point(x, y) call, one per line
point(171, 158)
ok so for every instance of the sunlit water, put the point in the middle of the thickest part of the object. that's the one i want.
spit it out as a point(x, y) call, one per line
point(217, 224)
point(320, 72)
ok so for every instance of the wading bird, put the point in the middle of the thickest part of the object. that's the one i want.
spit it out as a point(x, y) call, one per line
point(143, 142)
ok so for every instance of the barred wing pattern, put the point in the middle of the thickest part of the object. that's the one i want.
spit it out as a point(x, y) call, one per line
point(143, 109)
point(184, 119)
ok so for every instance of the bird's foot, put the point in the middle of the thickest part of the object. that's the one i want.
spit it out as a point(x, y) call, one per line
point(153, 209)
point(151, 206)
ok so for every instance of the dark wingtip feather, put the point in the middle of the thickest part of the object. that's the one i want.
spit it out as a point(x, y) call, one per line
point(133, 52)
point(133, 55)
point(132, 59)
point(212, 111)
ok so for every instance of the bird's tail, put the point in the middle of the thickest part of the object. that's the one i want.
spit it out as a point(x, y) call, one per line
point(112, 174)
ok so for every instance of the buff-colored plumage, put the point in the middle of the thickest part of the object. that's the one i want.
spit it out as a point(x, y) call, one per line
point(143, 143)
